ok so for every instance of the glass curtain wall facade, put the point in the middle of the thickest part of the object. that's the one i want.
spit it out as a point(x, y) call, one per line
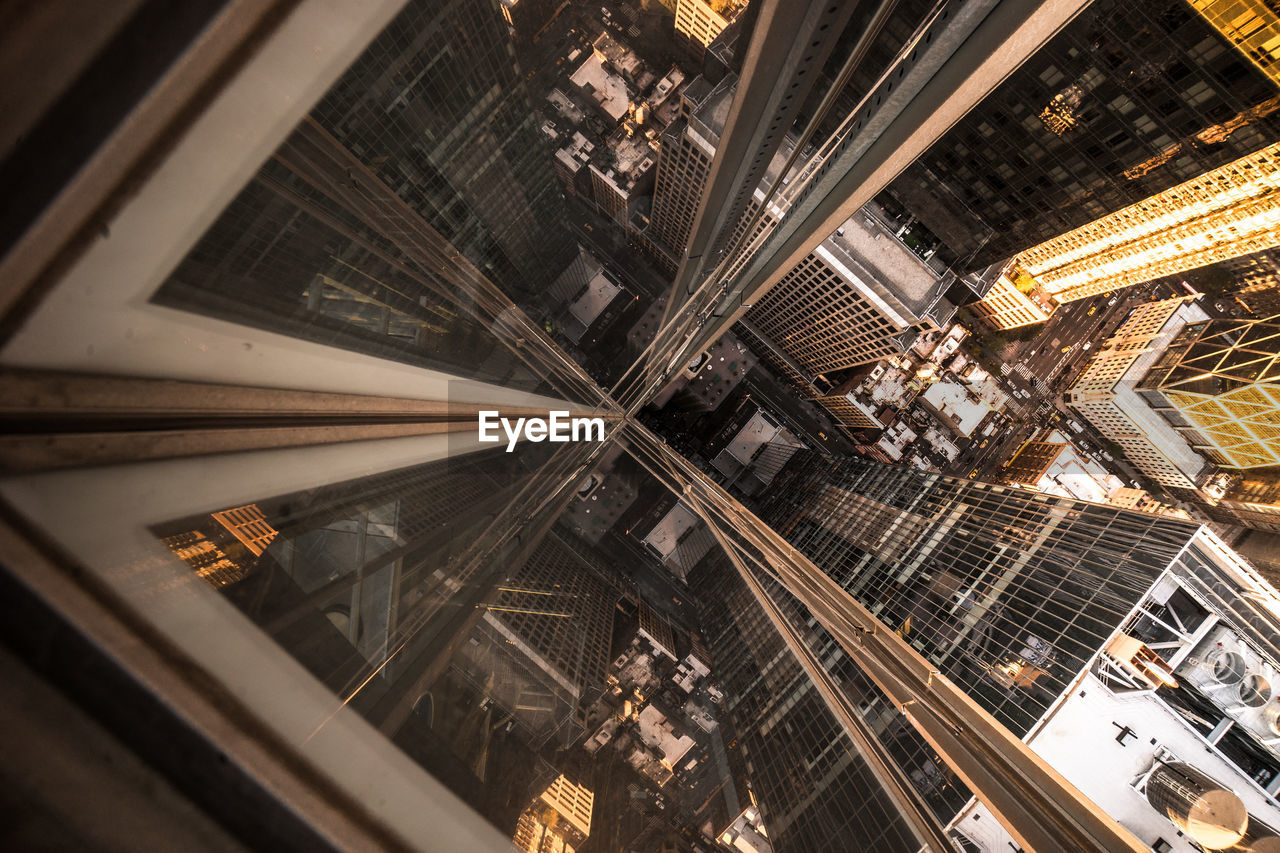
point(249, 527)
point(1122, 104)
point(1010, 593)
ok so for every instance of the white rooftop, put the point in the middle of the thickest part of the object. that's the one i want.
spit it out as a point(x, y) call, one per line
point(658, 733)
point(608, 90)
point(666, 533)
point(954, 402)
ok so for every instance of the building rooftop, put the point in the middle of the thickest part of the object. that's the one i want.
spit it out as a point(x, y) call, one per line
point(711, 107)
point(576, 153)
point(610, 92)
point(955, 403)
point(592, 301)
point(625, 160)
point(665, 88)
point(664, 736)
point(565, 106)
point(618, 55)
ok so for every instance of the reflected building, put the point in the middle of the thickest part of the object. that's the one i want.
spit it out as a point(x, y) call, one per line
point(542, 647)
point(205, 548)
point(436, 120)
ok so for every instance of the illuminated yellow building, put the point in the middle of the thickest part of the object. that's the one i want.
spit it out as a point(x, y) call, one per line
point(1254, 499)
point(699, 21)
point(559, 821)
point(1014, 300)
point(1221, 382)
point(203, 549)
point(1225, 213)
point(1141, 500)
point(1253, 26)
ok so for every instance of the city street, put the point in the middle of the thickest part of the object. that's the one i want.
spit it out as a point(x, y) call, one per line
point(1043, 368)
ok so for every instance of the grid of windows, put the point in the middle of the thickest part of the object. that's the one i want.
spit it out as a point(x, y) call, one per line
point(1105, 396)
point(556, 604)
point(698, 23)
point(1010, 593)
point(1231, 211)
point(1125, 102)
point(1253, 26)
point(815, 791)
point(820, 319)
point(1223, 378)
point(683, 168)
point(328, 243)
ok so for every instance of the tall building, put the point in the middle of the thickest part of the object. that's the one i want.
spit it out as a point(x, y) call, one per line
point(1121, 105)
point(1048, 610)
point(688, 147)
point(1014, 300)
point(1226, 213)
point(543, 644)
point(436, 108)
point(698, 22)
point(1218, 381)
point(1253, 498)
point(828, 800)
point(860, 296)
point(558, 821)
point(1252, 26)
point(265, 265)
point(1106, 394)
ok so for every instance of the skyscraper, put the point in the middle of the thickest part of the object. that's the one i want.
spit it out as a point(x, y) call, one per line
point(283, 256)
point(1121, 105)
point(1217, 380)
point(1106, 394)
point(859, 297)
point(1025, 599)
point(1226, 213)
point(830, 799)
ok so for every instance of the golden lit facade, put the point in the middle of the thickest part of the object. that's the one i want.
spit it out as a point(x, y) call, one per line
point(848, 412)
point(1222, 378)
point(1230, 211)
point(248, 525)
point(1013, 301)
point(1253, 26)
point(1032, 461)
point(205, 550)
point(1142, 501)
point(1254, 499)
point(699, 22)
point(559, 821)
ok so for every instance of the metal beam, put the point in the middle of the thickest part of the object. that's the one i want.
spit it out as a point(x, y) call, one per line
point(1040, 808)
point(789, 45)
point(962, 57)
